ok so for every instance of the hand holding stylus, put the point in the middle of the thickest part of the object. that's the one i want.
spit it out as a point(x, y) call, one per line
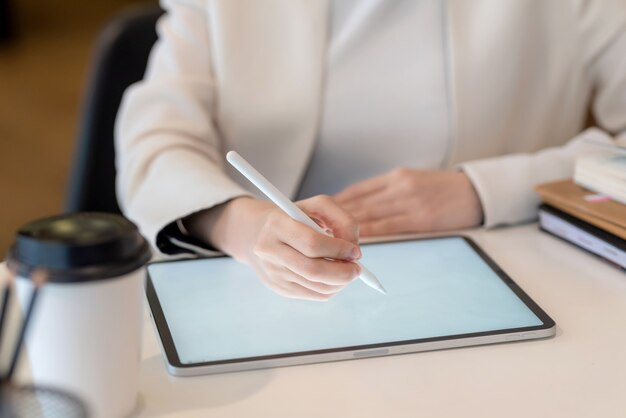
point(287, 256)
point(293, 258)
point(301, 217)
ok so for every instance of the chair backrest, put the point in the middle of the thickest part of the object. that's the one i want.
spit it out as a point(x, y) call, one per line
point(120, 60)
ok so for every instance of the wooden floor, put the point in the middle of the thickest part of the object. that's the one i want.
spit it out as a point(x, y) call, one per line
point(42, 74)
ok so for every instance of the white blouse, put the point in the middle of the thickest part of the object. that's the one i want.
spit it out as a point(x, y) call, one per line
point(385, 103)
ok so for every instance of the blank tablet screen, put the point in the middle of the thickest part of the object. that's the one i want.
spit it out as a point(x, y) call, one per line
point(216, 309)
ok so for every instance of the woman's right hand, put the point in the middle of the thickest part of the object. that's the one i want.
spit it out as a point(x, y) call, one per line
point(289, 257)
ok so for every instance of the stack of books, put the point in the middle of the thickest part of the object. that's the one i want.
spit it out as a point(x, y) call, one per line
point(589, 210)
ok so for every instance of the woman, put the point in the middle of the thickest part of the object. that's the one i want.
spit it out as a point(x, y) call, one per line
point(416, 115)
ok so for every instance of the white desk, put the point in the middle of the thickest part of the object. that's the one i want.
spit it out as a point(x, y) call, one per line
point(579, 373)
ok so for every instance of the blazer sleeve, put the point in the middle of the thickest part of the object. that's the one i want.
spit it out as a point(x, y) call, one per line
point(505, 184)
point(168, 154)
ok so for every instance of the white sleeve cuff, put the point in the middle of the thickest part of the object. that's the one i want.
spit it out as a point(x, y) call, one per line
point(505, 184)
point(178, 183)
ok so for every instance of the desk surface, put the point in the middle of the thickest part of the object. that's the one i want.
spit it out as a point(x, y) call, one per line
point(579, 373)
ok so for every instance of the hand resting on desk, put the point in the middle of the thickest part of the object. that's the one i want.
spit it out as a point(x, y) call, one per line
point(290, 258)
point(406, 200)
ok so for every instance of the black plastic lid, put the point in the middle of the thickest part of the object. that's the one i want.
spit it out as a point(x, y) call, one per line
point(79, 247)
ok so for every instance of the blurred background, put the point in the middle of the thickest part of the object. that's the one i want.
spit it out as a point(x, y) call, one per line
point(45, 52)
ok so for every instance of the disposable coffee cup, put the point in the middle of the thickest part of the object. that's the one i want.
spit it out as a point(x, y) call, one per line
point(86, 329)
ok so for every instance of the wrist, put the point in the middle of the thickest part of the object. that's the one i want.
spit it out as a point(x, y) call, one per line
point(473, 200)
point(228, 227)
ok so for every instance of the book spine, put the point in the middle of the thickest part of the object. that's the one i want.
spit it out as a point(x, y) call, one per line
point(569, 232)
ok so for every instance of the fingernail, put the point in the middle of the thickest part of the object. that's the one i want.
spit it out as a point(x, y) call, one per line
point(356, 253)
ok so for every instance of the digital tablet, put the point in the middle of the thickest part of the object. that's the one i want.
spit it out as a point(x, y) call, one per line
point(213, 315)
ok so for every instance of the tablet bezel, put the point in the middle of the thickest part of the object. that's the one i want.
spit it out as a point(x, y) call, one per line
point(176, 367)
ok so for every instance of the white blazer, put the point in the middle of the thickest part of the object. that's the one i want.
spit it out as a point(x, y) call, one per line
point(248, 75)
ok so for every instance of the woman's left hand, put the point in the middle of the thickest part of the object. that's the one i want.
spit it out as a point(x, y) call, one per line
point(406, 200)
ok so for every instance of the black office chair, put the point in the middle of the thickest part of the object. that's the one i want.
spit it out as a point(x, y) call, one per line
point(120, 60)
point(7, 21)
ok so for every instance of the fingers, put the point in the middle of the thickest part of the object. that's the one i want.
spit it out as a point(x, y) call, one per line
point(361, 189)
point(325, 209)
point(289, 284)
point(316, 245)
point(297, 261)
point(385, 226)
point(307, 241)
point(367, 200)
point(318, 270)
point(295, 291)
point(377, 206)
point(320, 288)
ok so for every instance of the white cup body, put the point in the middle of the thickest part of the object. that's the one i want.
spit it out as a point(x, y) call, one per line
point(85, 338)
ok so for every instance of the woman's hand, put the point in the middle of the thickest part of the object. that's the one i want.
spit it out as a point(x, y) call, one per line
point(407, 200)
point(290, 258)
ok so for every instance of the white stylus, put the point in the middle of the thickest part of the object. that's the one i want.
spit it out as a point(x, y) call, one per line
point(290, 208)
